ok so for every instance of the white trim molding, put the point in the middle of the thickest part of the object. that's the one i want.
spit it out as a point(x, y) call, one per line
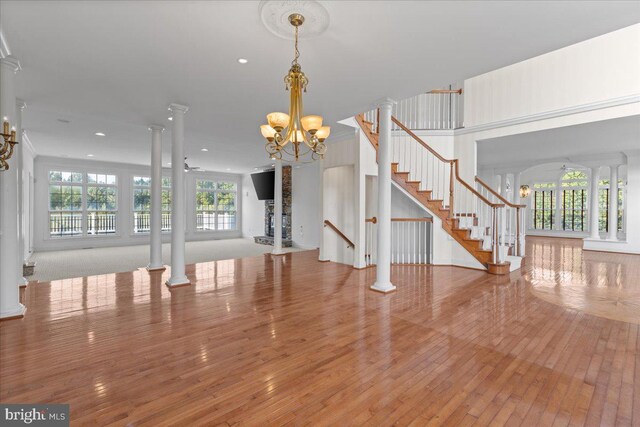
point(597, 105)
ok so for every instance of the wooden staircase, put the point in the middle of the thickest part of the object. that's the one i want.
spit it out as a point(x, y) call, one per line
point(457, 224)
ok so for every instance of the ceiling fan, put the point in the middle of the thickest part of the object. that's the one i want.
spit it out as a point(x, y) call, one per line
point(188, 168)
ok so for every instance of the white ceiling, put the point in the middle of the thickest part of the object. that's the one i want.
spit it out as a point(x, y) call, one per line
point(114, 66)
point(577, 143)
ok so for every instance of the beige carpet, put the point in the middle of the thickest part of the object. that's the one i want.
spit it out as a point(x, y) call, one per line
point(88, 262)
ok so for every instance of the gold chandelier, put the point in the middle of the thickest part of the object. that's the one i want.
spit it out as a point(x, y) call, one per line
point(294, 127)
point(6, 145)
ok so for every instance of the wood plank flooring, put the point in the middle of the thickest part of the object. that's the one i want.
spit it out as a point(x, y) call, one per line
point(291, 341)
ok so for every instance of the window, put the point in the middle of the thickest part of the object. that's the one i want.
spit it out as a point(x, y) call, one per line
point(574, 200)
point(142, 204)
point(102, 203)
point(82, 204)
point(603, 204)
point(215, 205)
point(544, 205)
point(65, 203)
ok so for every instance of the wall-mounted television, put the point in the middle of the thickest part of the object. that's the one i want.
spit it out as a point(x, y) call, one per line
point(263, 182)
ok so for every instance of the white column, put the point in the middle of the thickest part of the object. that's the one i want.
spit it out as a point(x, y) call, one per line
point(277, 210)
point(178, 276)
point(10, 306)
point(612, 233)
point(20, 106)
point(503, 185)
point(515, 194)
point(594, 213)
point(155, 250)
point(383, 265)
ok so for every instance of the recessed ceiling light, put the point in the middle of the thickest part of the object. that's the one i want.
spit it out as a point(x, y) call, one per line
point(63, 121)
point(255, 169)
point(242, 60)
point(170, 118)
point(169, 164)
point(228, 169)
point(204, 149)
point(89, 155)
point(100, 134)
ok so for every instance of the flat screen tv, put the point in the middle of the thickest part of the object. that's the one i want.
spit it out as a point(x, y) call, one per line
point(263, 183)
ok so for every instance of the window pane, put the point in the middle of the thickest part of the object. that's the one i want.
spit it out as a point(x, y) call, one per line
point(92, 178)
point(166, 200)
point(102, 198)
point(55, 176)
point(65, 224)
point(229, 186)
point(205, 185)
point(141, 181)
point(111, 179)
point(101, 223)
point(205, 200)
point(166, 182)
point(141, 199)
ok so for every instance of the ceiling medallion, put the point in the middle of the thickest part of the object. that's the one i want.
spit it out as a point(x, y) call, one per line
point(275, 17)
point(305, 133)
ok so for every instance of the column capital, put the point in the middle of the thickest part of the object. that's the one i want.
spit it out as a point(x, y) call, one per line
point(20, 104)
point(156, 128)
point(11, 62)
point(384, 103)
point(178, 107)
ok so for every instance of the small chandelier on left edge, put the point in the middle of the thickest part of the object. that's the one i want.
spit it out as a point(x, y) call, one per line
point(6, 145)
point(305, 133)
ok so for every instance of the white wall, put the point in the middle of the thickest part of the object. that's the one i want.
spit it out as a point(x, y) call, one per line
point(28, 191)
point(339, 208)
point(305, 209)
point(125, 235)
point(599, 69)
point(252, 210)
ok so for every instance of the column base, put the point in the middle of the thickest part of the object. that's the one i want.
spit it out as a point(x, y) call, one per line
point(177, 282)
point(383, 287)
point(278, 252)
point(17, 313)
point(159, 268)
point(23, 282)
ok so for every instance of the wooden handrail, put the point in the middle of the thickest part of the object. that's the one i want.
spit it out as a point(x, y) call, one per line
point(473, 190)
point(453, 163)
point(495, 193)
point(458, 91)
point(420, 141)
point(350, 244)
point(374, 220)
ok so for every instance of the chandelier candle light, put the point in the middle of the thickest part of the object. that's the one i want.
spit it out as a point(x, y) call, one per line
point(293, 127)
point(6, 145)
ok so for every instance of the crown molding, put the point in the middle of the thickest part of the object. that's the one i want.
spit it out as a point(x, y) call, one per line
point(597, 105)
point(4, 46)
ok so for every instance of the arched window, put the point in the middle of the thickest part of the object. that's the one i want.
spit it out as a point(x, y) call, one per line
point(573, 203)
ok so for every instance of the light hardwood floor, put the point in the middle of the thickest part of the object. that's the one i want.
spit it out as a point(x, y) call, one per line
point(291, 341)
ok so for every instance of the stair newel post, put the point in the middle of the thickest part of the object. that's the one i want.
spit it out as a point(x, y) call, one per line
point(378, 121)
point(517, 248)
point(494, 235)
point(503, 227)
point(452, 164)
